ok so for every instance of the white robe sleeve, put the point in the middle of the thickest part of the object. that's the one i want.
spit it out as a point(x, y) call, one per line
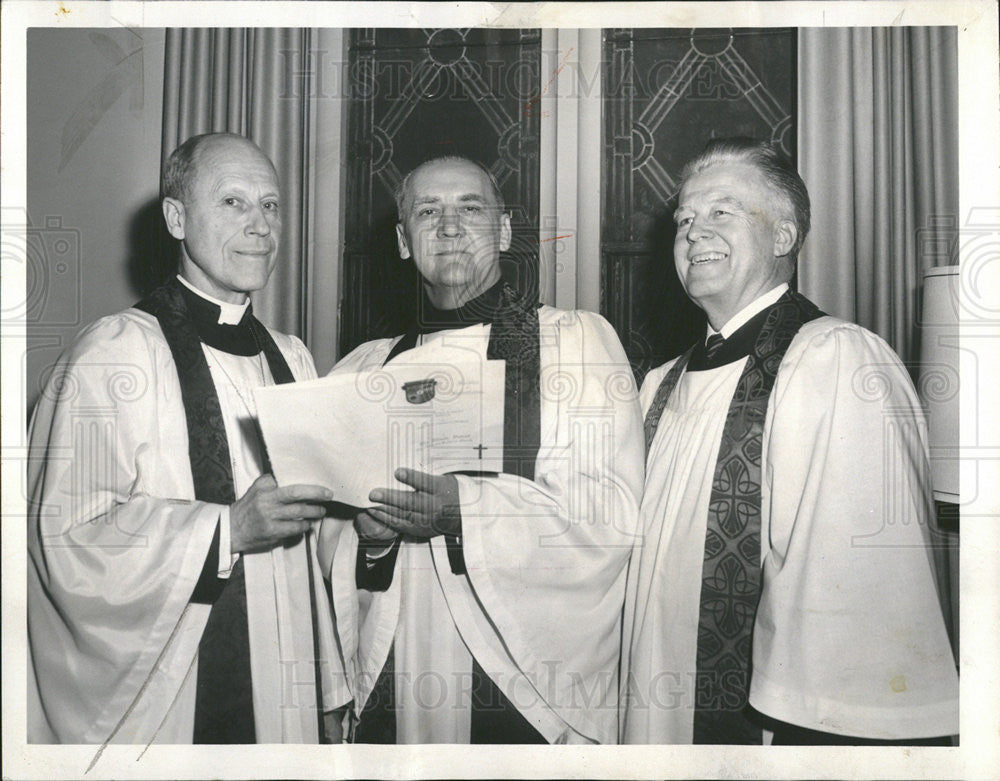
point(116, 542)
point(849, 636)
point(546, 558)
point(335, 683)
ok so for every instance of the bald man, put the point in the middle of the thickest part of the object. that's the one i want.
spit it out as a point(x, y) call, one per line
point(490, 603)
point(173, 589)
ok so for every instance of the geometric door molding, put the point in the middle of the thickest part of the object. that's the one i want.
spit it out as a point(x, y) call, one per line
point(666, 92)
point(415, 94)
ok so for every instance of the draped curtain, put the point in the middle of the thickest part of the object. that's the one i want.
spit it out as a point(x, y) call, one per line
point(261, 83)
point(878, 150)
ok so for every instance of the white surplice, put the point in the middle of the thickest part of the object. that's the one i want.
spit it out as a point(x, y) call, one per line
point(116, 544)
point(540, 608)
point(849, 636)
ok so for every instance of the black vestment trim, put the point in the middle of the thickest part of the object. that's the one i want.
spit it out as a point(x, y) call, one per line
point(224, 698)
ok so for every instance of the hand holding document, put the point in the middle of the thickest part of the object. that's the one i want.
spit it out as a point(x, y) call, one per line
point(433, 409)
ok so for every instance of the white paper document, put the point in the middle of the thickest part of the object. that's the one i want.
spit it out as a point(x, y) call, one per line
point(435, 410)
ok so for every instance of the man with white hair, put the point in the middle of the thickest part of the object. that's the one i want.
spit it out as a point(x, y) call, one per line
point(784, 583)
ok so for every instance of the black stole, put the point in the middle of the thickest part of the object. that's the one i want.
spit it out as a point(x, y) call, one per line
point(224, 698)
point(514, 338)
point(731, 570)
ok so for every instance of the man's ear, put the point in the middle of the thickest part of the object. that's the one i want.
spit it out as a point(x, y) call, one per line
point(785, 234)
point(404, 250)
point(173, 214)
point(504, 232)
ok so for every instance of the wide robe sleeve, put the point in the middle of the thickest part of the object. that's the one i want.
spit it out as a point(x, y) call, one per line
point(849, 636)
point(546, 558)
point(335, 685)
point(116, 542)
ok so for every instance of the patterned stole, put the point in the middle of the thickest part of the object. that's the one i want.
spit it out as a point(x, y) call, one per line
point(731, 571)
point(224, 698)
point(663, 392)
point(514, 338)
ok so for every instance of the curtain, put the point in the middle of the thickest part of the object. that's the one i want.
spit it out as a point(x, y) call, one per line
point(260, 83)
point(878, 150)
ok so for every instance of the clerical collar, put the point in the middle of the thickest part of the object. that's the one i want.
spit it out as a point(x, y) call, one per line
point(759, 304)
point(740, 333)
point(229, 314)
point(207, 315)
point(481, 309)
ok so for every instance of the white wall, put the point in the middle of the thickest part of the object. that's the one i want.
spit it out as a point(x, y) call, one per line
point(85, 208)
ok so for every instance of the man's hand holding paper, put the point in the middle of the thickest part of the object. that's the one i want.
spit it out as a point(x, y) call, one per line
point(266, 514)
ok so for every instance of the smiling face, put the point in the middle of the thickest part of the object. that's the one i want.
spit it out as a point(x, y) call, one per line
point(228, 221)
point(732, 240)
point(452, 226)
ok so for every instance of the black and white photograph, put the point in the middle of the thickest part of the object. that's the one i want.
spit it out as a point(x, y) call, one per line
point(500, 390)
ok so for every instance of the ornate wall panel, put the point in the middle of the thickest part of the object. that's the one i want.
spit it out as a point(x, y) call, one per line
point(666, 92)
point(414, 95)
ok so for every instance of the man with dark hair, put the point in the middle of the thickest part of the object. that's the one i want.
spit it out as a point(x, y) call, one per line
point(783, 585)
point(490, 607)
point(174, 594)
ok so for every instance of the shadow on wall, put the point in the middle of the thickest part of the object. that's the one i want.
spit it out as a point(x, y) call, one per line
point(151, 259)
point(152, 251)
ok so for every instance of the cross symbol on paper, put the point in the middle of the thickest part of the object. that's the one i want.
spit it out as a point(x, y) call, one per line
point(480, 447)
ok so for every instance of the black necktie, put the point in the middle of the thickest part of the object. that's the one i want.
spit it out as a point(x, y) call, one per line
point(713, 345)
